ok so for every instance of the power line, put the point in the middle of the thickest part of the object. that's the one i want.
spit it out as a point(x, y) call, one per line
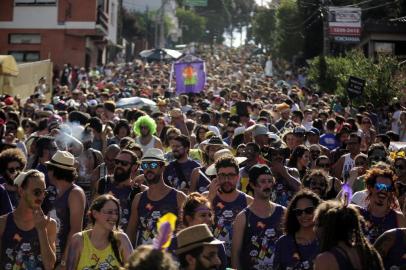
point(386, 4)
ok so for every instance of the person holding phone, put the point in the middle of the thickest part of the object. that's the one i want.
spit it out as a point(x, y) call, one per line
point(226, 199)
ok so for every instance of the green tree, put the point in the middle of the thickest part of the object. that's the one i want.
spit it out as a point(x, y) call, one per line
point(193, 25)
point(381, 76)
point(289, 37)
point(263, 27)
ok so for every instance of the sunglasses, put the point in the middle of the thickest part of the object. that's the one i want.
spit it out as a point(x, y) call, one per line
point(360, 164)
point(308, 211)
point(324, 165)
point(383, 187)
point(13, 170)
point(317, 184)
point(399, 167)
point(377, 158)
point(111, 212)
point(38, 192)
point(122, 162)
point(149, 165)
point(224, 176)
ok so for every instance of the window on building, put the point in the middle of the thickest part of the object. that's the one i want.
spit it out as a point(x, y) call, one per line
point(24, 39)
point(25, 56)
point(35, 2)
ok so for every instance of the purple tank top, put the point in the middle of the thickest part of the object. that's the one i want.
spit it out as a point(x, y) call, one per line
point(123, 195)
point(20, 249)
point(396, 257)
point(292, 255)
point(376, 226)
point(259, 239)
point(203, 181)
point(61, 213)
point(150, 211)
point(224, 216)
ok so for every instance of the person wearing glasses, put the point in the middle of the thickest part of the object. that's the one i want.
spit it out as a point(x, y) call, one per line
point(12, 162)
point(318, 182)
point(226, 199)
point(145, 128)
point(178, 173)
point(121, 184)
point(257, 228)
point(151, 204)
point(104, 246)
point(381, 214)
point(299, 246)
point(27, 235)
point(69, 205)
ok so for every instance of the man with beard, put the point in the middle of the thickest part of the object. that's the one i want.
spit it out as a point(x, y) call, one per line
point(381, 214)
point(257, 227)
point(12, 162)
point(178, 173)
point(226, 200)
point(198, 249)
point(121, 185)
point(27, 235)
point(106, 168)
point(159, 199)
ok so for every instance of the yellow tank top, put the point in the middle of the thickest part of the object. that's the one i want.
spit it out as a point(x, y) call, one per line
point(93, 258)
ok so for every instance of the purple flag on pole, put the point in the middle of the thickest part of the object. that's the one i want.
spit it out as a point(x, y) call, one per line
point(190, 77)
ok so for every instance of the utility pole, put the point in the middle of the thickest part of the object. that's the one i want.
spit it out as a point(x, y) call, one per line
point(326, 39)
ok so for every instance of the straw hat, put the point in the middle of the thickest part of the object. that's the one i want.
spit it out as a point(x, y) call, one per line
point(195, 236)
point(63, 160)
point(211, 170)
point(154, 154)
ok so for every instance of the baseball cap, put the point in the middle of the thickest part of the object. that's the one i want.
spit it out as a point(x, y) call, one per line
point(258, 170)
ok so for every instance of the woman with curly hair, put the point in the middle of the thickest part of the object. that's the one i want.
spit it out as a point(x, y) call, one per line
point(103, 246)
point(299, 246)
point(318, 182)
point(342, 243)
point(145, 128)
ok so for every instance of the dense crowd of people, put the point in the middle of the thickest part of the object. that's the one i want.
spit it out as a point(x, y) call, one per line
point(261, 171)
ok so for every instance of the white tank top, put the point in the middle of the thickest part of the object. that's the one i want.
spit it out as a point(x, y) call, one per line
point(349, 163)
point(147, 146)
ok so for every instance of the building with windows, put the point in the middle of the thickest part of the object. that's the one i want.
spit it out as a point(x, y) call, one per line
point(66, 31)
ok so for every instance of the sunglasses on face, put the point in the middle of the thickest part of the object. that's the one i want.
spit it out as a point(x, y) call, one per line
point(13, 170)
point(224, 176)
point(377, 158)
point(360, 164)
point(324, 165)
point(383, 187)
point(122, 162)
point(317, 184)
point(111, 212)
point(38, 192)
point(308, 211)
point(399, 167)
point(149, 165)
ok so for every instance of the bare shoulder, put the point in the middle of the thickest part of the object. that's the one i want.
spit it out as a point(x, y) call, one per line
point(180, 195)
point(325, 261)
point(3, 220)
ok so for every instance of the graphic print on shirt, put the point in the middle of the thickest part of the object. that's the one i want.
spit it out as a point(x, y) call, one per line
point(107, 264)
point(22, 255)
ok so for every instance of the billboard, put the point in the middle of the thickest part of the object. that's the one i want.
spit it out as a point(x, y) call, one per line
point(344, 24)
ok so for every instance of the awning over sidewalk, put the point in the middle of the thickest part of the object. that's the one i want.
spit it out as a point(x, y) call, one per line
point(8, 65)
